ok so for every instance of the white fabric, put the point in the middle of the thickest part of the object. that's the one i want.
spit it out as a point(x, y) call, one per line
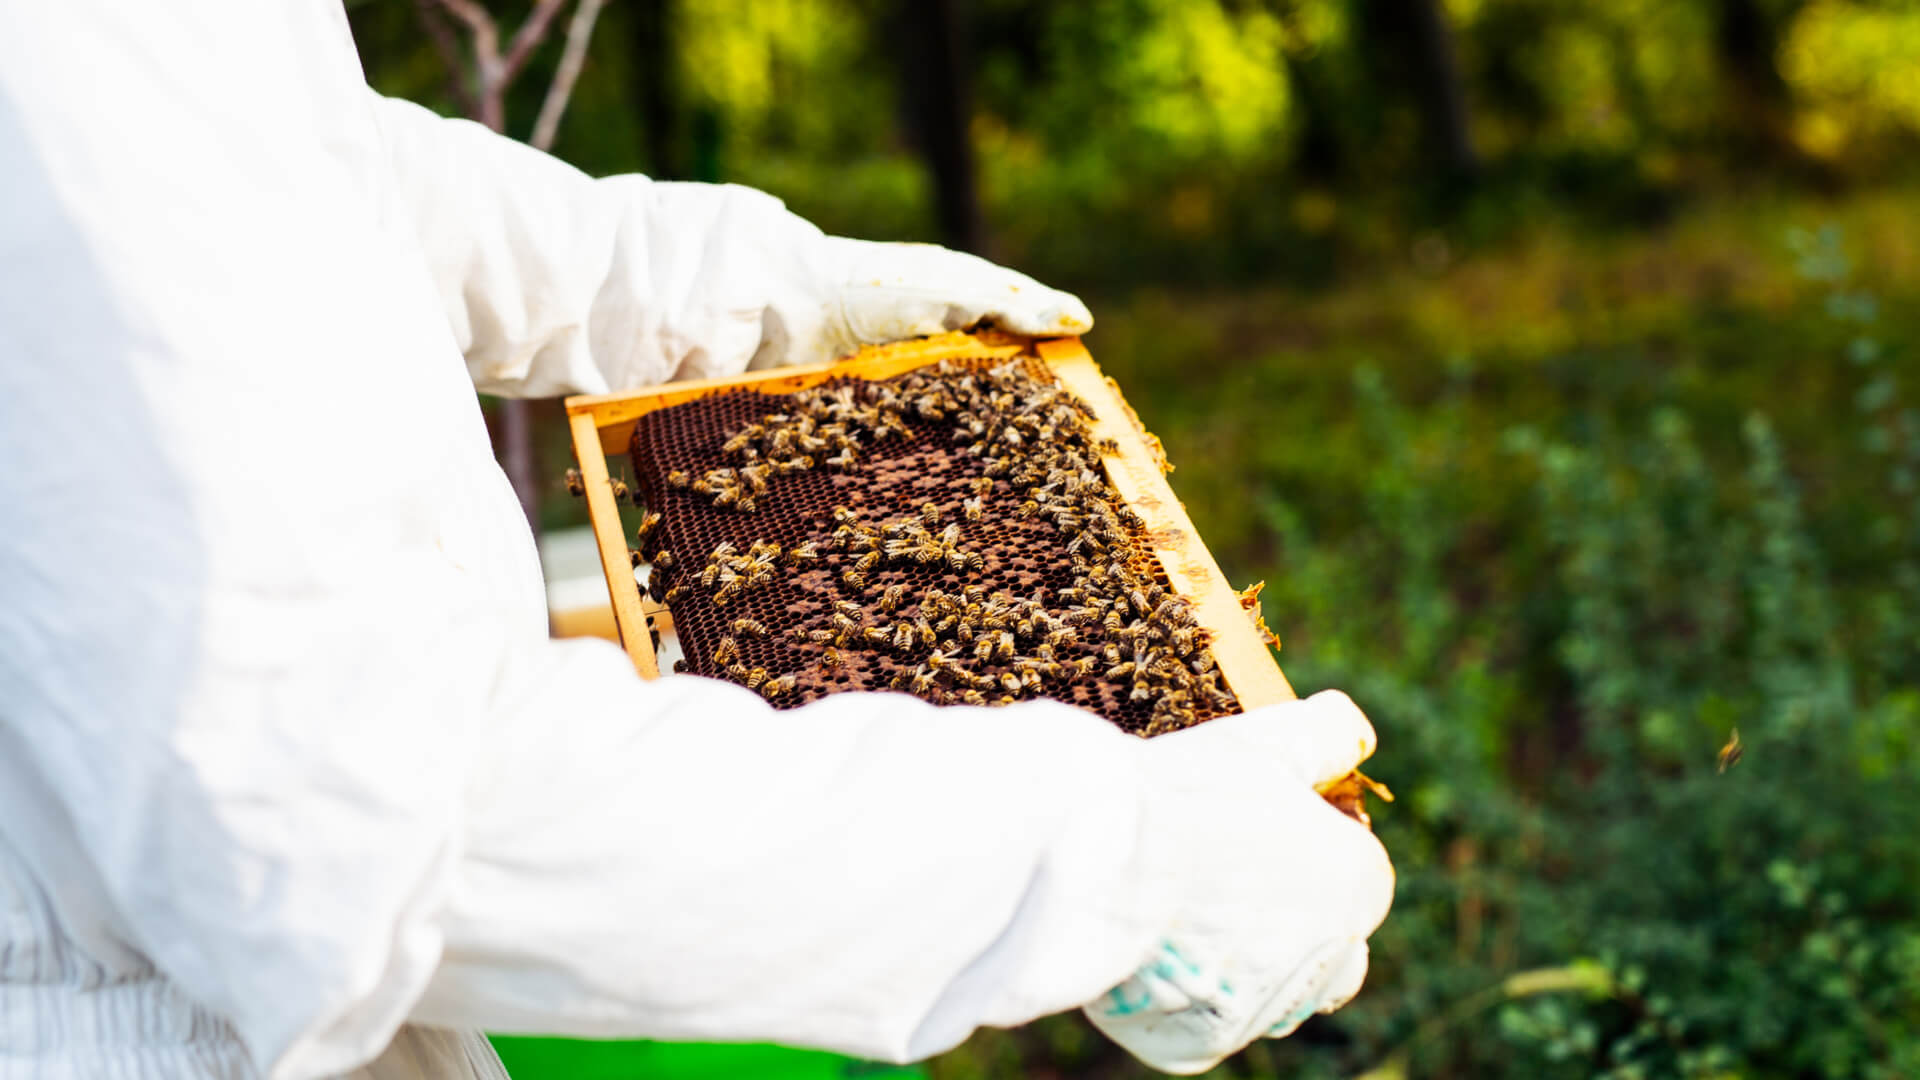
point(286, 759)
point(1273, 914)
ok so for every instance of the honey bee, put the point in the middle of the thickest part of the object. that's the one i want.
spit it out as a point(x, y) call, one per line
point(648, 522)
point(972, 509)
point(903, 636)
point(663, 559)
point(843, 515)
point(830, 658)
point(728, 590)
point(981, 485)
point(756, 478)
point(972, 697)
point(929, 513)
point(634, 558)
point(804, 552)
point(844, 460)
point(821, 637)
point(678, 480)
point(673, 594)
point(680, 666)
point(877, 635)
point(575, 485)
point(779, 687)
point(619, 486)
point(1011, 683)
point(750, 627)
point(922, 681)
point(726, 652)
point(755, 677)
point(891, 598)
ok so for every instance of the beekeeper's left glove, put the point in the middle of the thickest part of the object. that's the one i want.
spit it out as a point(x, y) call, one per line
point(1275, 891)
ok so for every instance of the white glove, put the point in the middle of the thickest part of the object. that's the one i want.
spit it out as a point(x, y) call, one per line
point(870, 293)
point(1275, 890)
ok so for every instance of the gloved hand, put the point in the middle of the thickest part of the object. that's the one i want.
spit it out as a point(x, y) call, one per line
point(1275, 891)
point(869, 293)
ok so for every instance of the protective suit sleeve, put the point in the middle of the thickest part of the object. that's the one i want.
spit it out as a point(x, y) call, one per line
point(867, 874)
point(557, 283)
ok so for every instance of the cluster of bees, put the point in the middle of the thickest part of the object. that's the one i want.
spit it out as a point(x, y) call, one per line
point(1036, 458)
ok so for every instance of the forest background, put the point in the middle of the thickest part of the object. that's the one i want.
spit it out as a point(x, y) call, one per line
point(1552, 360)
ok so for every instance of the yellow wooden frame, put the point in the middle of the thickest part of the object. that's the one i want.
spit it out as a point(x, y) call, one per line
point(602, 425)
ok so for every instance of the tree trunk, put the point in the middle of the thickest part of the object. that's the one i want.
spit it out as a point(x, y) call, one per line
point(650, 37)
point(1758, 105)
point(937, 89)
point(1414, 52)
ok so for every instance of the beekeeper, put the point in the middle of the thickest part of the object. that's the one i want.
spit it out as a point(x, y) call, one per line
point(292, 782)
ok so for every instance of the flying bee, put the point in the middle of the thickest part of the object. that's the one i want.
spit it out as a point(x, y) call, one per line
point(750, 627)
point(726, 652)
point(648, 522)
point(779, 687)
point(575, 485)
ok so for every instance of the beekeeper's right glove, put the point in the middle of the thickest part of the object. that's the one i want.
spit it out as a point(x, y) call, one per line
point(1275, 891)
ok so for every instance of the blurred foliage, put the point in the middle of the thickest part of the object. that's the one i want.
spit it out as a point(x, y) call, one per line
point(1566, 463)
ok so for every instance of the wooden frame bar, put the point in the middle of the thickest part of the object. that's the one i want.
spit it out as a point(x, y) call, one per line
point(602, 425)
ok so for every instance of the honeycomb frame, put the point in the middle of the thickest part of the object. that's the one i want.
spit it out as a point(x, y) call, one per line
point(602, 426)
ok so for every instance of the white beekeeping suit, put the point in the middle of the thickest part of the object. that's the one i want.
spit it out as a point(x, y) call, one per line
point(292, 783)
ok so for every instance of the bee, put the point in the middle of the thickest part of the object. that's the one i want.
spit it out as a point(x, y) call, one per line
point(890, 599)
point(619, 486)
point(830, 658)
point(673, 594)
point(779, 687)
point(997, 467)
point(575, 485)
point(750, 627)
point(738, 671)
point(877, 635)
point(1027, 508)
point(789, 466)
point(844, 460)
point(867, 562)
point(741, 440)
point(981, 484)
point(728, 590)
point(634, 558)
point(678, 480)
point(726, 652)
point(973, 508)
point(726, 497)
point(680, 666)
point(804, 552)
point(903, 636)
point(755, 677)
point(843, 515)
point(929, 513)
point(648, 522)
point(822, 636)
point(663, 559)
point(983, 649)
point(1061, 635)
point(923, 679)
point(1011, 683)
point(972, 697)
point(940, 661)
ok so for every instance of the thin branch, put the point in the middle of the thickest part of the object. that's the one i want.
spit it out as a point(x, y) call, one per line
point(572, 59)
point(448, 46)
point(486, 34)
point(528, 37)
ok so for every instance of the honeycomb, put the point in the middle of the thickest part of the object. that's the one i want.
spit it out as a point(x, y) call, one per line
point(949, 532)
